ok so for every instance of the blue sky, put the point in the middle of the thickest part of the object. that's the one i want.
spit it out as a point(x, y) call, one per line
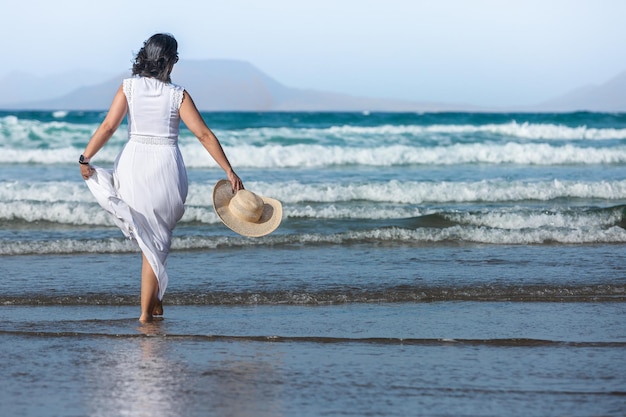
point(484, 52)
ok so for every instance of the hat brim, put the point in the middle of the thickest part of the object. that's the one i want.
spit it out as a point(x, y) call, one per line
point(269, 221)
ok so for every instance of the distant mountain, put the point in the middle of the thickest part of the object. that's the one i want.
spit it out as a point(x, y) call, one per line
point(608, 97)
point(232, 85)
point(220, 85)
point(19, 87)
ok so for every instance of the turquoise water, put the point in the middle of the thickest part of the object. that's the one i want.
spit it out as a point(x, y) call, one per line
point(427, 264)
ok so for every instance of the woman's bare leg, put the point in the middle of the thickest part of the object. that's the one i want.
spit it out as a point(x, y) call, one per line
point(149, 291)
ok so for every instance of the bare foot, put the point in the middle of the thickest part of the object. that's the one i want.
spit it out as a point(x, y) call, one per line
point(158, 308)
point(145, 318)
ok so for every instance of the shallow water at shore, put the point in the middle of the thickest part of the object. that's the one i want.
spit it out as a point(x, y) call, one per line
point(451, 358)
point(327, 274)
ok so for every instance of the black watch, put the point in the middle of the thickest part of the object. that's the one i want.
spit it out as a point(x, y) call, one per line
point(83, 161)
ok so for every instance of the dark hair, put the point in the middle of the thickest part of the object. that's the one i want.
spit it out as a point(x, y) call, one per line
point(157, 57)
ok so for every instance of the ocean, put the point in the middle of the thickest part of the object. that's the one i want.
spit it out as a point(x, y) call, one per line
point(436, 264)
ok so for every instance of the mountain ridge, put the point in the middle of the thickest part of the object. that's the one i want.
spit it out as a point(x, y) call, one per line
point(236, 85)
point(607, 97)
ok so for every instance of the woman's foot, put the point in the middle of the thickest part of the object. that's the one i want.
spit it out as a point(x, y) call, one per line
point(158, 308)
point(146, 318)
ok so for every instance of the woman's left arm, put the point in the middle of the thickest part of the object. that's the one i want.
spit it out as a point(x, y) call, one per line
point(195, 123)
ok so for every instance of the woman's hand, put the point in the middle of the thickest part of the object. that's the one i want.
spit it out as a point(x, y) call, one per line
point(235, 181)
point(86, 171)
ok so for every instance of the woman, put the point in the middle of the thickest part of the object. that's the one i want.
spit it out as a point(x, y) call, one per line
point(147, 188)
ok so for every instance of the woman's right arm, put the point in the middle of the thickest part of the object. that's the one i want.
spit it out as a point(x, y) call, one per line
point(194, 122)
point(113, 119)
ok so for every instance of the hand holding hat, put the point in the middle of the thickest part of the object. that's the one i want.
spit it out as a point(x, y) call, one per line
point(245, 212)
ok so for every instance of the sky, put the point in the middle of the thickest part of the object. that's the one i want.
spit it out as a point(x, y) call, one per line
point(482, 52)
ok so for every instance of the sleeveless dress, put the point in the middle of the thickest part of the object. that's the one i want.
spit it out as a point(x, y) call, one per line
point(146, 190)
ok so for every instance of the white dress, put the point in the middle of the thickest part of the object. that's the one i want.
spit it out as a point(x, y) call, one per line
point(147, 188)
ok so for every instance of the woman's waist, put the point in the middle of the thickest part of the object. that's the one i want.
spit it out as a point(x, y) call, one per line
point(154, 140)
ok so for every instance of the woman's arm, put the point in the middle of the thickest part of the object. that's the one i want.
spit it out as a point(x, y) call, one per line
point(194, 122)
point(109, 125)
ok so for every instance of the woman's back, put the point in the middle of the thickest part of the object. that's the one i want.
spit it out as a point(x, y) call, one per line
point(153, 107)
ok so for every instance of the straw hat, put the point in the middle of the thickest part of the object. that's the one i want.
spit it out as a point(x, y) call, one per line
point(245, 212)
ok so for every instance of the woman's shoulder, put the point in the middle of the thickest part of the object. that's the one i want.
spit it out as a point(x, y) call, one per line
point(177, 87)
point(177, 94)
point(127, 86)
point(132, 83)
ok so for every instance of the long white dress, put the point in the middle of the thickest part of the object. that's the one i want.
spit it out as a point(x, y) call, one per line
point(146, 190)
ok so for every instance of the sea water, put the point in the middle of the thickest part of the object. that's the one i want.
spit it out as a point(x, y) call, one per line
point(427, 264)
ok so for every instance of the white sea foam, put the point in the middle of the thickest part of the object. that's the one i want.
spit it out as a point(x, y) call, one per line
point(28, 133)
point(59, 114)
point(353, 211)
point(417, 192)
point(44, 191)
point(318, 156)
point(22, 134)
point(495, 236)
point(62, 213)
point(59, 142)
point(393, 191)
point(534, 131)
point(67, 246)
point(367, 134)
point(70, 204)
point(48, 215)
point(65, 155)
point(517, 219)
point(394, 236)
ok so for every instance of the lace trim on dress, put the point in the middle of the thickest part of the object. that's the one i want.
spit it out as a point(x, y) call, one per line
point(177, 95)
point(153, 140)
point(127, 84)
